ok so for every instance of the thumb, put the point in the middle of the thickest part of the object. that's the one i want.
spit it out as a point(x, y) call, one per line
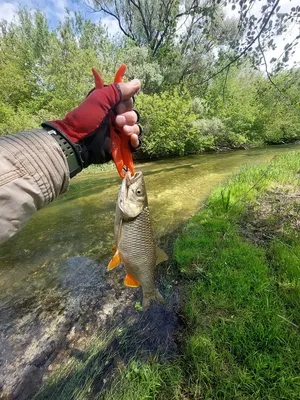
point(129, 89)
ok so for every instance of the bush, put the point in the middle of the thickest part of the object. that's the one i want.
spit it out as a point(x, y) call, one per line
point(282, 127)
point(12, 121)
point(166, 120)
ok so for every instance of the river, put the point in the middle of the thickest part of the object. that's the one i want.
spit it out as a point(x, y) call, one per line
point(54, 270)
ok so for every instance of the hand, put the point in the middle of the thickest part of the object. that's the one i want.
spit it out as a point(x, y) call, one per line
point(88, 124)
point(127, 119)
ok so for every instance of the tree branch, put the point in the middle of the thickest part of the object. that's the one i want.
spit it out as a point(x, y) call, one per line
point(139, 8)
point(248, 47)
point(159, 41)
point(268, 75)
point(111, 14)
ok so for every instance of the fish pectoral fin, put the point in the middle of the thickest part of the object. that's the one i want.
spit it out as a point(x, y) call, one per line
point(131, 281)
point(160, 255)
point(114, 262)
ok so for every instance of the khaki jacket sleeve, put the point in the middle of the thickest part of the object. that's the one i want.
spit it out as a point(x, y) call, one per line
point(33, 172)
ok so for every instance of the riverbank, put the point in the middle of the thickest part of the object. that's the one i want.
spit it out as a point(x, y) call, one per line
point(235, 331)
point(143, 160)
point(240, 258)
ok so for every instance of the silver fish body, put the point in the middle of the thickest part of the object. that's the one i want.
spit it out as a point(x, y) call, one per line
point(136, 248)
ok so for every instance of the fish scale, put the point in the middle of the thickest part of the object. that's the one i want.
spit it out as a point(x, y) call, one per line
point(135, 245)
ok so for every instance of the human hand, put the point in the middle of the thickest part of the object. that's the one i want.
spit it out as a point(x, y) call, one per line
point(127, 119)
point(89, 123)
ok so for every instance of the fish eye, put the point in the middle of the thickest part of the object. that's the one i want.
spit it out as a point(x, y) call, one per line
point(139, 192)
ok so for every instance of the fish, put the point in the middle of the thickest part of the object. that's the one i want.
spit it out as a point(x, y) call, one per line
point(135, 246)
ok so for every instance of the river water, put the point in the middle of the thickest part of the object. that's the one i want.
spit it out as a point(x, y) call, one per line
point(54, 268)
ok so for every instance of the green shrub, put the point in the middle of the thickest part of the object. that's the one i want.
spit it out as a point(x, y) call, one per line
point(166, 120)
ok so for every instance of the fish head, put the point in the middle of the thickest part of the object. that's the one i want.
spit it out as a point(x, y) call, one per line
point(132, 197)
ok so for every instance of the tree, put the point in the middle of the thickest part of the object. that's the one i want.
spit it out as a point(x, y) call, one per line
point(44, 72)
point(181, 35)
point(190, 35)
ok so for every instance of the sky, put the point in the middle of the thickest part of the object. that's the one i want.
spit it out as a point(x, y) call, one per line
point(56, 9)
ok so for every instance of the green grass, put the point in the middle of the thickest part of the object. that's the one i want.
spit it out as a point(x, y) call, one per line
point(241, 300)
point(96, 168)
point(240, 303)
point(143, 381)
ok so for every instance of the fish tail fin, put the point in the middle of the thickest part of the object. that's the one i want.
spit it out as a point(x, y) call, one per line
point(148, 297)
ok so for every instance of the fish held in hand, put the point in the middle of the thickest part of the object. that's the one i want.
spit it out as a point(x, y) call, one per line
point(135, 244)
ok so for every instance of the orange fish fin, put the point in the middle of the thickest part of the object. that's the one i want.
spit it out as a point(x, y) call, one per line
point(131, 281)
point(114, 262)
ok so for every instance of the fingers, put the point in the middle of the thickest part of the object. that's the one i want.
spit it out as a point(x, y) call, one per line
point(127, 118)
point(128, 121)
point(129, 89)
point(129, 130)
point(134, 141)
point(124, 106)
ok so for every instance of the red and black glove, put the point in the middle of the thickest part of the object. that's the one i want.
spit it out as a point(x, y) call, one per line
point(88, 125)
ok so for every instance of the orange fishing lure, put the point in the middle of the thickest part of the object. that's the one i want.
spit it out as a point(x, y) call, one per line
point(120, 148)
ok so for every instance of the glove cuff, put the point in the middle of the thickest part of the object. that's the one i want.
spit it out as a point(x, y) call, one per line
point(72, 151)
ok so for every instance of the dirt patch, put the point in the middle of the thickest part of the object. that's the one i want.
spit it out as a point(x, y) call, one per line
point(272, 215)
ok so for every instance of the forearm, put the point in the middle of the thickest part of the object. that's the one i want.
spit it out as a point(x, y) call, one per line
point(33, 172)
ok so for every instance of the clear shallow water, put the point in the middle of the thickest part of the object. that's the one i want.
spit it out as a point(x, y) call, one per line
point(80, 223)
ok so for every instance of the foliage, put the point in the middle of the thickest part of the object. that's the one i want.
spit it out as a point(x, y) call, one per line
point(141, 65)
point(180, 36)
point(280, 107)
point(46, 70)
point(185, 36)
point(166, 118)
point(46, 73)
point(237, 105)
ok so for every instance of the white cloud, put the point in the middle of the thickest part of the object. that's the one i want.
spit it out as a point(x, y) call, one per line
point(55, 10)
point(8, 11)
point(111, 24)
point(59, 8)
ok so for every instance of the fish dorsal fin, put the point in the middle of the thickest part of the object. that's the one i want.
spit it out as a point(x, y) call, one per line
point(131, 281)
point(160, 255)
point(115, 261)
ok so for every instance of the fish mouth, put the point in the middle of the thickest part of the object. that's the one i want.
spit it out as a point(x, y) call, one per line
point(130, 179)
point(128, 207)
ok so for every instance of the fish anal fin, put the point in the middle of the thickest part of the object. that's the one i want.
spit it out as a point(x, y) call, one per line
point(131, 281)
point(114, 262)
point(160, 255)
